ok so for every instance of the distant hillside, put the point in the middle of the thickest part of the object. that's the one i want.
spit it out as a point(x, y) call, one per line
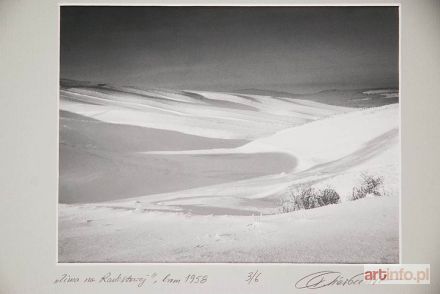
point(359, 98)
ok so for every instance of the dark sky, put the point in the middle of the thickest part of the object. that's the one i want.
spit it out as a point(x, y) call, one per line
point(226, 48)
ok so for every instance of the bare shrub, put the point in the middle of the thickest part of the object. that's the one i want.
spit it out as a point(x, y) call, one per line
point(357, 193)
point(329, 196)
point(307, 197)
point(372, 184)
point(369, 185)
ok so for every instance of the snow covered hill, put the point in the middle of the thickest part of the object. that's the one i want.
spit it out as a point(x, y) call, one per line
point(210, 169)
point(208, 114)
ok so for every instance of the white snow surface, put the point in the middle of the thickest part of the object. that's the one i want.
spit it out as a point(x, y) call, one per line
point(240, 221)
point(213, 115)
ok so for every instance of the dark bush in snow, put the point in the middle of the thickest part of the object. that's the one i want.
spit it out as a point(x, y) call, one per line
point(369, 185)
point(329, 196)
point(307, 197)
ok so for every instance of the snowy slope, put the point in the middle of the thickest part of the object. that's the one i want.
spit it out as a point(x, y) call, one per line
point(333, 138)
point(330, 151)
point(364, 231)
point(208, 114)
point(198, 176)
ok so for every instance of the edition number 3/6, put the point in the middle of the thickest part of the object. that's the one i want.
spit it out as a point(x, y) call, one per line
point(253, 277)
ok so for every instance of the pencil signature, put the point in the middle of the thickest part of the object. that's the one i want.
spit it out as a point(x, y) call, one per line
point(328, 278)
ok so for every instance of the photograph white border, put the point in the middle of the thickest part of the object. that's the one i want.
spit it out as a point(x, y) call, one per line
point(239, 5)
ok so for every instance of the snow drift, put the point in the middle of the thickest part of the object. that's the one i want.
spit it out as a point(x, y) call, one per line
point(175, 176)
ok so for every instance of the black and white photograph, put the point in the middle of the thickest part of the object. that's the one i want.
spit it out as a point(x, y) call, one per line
point(229, 134)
